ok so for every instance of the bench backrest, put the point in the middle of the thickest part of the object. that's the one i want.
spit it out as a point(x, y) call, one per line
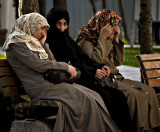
point(9, 83)
point(150, 68)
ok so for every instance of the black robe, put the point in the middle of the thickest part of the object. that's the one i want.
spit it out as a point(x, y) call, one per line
point(64, 48)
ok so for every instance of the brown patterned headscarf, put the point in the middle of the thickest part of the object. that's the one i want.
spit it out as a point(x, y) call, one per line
point(91, 31)
point(23, 30)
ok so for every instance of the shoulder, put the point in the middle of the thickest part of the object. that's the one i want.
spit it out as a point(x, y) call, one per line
point(18, 44)
point(84, 42)
point(46, 45)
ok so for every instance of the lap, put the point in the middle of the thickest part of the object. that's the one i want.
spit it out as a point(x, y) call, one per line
point(134, 87)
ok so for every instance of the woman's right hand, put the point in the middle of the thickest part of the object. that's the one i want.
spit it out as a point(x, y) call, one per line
point(100, 74)
point(72, 70)
point(106, 31)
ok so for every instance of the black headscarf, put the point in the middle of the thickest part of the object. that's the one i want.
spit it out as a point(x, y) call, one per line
point(64, 47)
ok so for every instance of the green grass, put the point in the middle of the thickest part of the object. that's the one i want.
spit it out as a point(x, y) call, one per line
point(2, 56)
point(130, 58)
point(130, 54)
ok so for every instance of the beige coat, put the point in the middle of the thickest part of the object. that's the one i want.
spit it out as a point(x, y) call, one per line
point(80, 109)
point(142, 100)
point(105, 53)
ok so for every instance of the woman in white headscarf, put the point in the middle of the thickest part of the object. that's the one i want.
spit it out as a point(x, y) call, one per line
point(80, 109)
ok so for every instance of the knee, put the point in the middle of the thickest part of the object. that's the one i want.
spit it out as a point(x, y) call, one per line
point(132, 94)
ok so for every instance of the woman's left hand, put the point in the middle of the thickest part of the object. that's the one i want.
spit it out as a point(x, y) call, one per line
point(116, 34)
point(106, 70)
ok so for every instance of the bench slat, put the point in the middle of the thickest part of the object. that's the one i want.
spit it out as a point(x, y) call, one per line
point(154, 82)
point(151, 65)
point(7, 81)
point(4, 71)
point(150, 68)
point(37, 103)
point(148, 57)
point(8, 86)
point(10, 91)
point(153, 74)
point(3, 62)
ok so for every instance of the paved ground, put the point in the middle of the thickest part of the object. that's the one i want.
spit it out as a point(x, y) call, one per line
point(2, 52)
point(137, 46)
point(132, 73)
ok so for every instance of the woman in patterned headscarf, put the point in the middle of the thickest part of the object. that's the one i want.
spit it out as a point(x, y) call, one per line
point(99, 39)
point(80, 109)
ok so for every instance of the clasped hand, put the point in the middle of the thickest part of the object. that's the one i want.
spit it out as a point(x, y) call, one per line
point(100, 73)
point(72, 70)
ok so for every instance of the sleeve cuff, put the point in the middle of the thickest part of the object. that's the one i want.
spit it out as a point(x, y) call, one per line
point(120, 42)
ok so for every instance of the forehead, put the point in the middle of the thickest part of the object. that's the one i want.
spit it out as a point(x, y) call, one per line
point(62, 20)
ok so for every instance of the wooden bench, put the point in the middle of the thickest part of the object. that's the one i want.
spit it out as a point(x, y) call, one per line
point(10, 86)
point(150, 69)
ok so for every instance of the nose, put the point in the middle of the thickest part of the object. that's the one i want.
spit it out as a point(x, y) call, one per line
point(44, 32)
point(62, 27)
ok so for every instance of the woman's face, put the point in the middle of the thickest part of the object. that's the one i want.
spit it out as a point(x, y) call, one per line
point(62, 25)
point(115, 30)
point(41, 35)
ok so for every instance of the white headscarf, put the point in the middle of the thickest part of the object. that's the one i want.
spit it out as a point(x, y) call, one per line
point(23, 31)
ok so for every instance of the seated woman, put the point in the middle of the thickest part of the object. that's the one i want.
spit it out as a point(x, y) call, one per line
point(99, 39)
point(65, 48)
point(80, 109)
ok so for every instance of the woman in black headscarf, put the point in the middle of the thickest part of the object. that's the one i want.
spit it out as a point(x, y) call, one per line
point(65, 48)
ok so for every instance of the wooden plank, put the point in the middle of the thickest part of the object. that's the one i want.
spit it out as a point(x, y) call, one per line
point(153, 74)
point(7, 81)
point(151, 65)
point(5, 71)
point(4, 62)
point(46, 102)
point(154, 82)
point(55, 104)
point(26, 104)
point(37, 103)
point(145, 57)
point(10, 91)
